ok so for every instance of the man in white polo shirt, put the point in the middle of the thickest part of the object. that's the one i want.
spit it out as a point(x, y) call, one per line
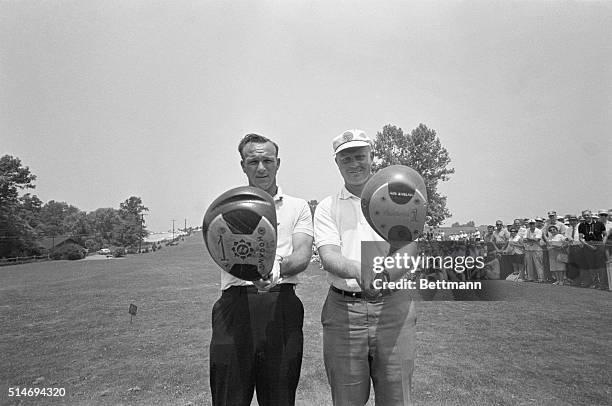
point(363, 338)
point(533, 253)
point(257, 335)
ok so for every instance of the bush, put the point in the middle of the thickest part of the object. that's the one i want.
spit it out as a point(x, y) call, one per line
point(119, 252)
point(68, 251)
point(92, 245)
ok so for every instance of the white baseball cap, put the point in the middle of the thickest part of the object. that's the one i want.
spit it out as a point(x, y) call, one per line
point(351, 139)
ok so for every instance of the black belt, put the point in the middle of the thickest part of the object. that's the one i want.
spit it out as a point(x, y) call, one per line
point(283, 287)
point(354, 295)
point(359, 295)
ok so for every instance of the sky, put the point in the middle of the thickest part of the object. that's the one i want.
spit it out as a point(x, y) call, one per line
point(107, 100)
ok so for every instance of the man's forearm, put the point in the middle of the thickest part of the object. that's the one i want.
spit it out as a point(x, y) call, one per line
point(293, 264)
point(342, 267)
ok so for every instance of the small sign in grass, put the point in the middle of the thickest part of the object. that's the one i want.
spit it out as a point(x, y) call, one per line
point(132, 311)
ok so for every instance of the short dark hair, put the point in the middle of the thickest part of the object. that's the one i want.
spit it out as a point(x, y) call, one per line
point(256, 138)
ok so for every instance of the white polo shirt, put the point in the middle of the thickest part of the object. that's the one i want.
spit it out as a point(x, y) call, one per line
point(339, 221)
point(293, 216)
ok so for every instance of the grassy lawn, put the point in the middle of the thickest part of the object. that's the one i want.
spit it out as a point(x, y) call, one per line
point(65, 324)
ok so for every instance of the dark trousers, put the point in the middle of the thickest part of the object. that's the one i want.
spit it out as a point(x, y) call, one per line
point(257, 344)
point(587, 265)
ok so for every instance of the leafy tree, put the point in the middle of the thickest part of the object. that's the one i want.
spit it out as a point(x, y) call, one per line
point(60, 218)
point(13, 176)
point(131, 230)
point(16, 233)
point(31, 207)
point(132, 206)
point(421, 150)
point(103, 222)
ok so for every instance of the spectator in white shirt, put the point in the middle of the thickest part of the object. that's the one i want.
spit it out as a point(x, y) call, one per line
point(533, 253)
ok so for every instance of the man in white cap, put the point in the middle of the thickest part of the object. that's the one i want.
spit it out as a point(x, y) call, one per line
point(364, 339)
point(533, 253)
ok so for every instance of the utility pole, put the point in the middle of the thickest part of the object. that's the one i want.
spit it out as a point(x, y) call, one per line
point(173, 230)
point(185, 229)
point(140, 235)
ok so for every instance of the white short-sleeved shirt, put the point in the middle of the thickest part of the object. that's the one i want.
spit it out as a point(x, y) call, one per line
point(293, 216)
point(533, 246)
point(339, 221)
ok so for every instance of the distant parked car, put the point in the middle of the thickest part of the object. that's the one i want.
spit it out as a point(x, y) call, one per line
point(104, 251)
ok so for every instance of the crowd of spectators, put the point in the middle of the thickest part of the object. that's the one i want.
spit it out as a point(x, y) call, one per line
point(562, 250)
point(568, 250)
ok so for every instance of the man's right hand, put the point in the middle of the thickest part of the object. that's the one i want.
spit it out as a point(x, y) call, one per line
point(272, 280)
point(262, 284)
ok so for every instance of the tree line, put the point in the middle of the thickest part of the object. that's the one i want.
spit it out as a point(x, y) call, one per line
point(25, 220)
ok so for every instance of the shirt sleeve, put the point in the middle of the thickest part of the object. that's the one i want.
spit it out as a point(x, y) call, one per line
point(304, 221)
point(325, 230)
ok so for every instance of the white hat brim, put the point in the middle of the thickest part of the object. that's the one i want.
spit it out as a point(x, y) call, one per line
point(352, 144)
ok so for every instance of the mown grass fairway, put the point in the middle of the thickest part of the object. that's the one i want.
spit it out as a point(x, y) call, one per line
point(65, 324)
